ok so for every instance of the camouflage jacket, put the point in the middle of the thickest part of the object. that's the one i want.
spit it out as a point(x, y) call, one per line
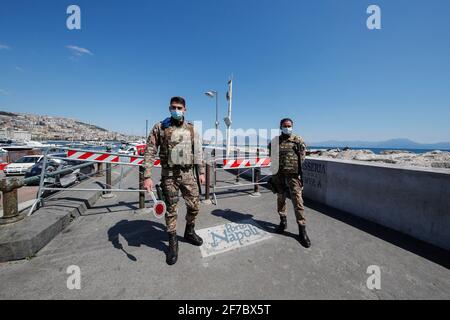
point(285, 152)
point(178, 145)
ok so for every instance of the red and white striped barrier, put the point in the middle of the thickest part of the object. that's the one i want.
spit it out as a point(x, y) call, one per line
point(106, 158)
point(139, 160)
point(91, 156)
point(246, 163)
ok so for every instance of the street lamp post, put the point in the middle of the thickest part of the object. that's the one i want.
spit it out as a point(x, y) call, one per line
point(213, 94)
point(146, 130)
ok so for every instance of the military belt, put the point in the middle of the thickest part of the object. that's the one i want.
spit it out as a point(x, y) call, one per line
point(175, 171)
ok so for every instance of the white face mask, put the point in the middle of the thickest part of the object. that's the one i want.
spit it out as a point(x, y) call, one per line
point(286, 131)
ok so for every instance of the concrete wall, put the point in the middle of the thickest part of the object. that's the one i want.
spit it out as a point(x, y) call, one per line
point(412, 201)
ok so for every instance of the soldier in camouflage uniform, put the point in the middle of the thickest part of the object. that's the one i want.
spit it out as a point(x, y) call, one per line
point(179, 150)
point(288, 152)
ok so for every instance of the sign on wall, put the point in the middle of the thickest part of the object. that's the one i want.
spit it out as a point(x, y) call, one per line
point(315, 179)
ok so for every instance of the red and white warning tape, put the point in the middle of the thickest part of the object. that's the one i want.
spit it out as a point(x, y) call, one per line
point(246, 163)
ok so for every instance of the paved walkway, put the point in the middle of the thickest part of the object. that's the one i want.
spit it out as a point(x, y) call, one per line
point(121, 255)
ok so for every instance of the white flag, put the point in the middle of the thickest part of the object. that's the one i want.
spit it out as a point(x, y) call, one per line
point(230, 90)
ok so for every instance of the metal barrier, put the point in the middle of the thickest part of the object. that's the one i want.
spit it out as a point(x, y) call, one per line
point(9, 186)
point(108, 158)
point(253, 164)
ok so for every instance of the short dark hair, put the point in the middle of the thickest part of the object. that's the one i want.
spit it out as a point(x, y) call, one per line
point(284, 120)
point(179, 100)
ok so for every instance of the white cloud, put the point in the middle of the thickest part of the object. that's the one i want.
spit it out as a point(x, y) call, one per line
point(4, 47)
point(19, 69)
point(3, 92)
point(79, 51)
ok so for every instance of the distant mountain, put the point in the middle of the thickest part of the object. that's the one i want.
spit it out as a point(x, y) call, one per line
point(391, 144)
point(388, 144)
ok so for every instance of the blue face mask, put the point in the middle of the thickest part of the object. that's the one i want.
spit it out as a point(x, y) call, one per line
point(177, 114)
point(286, 131)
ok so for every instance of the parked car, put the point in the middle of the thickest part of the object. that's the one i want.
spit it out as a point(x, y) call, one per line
point(3, 165)
point(20, 166)
point(133, 150)
point(54, 163)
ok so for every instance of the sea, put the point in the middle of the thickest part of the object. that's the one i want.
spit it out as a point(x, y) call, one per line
point(379, 150)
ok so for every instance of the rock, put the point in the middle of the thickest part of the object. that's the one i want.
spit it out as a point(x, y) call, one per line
point(436, 152)
point(433, 159)
point(362, 155)
point(328, 153)
point(384, 160)
point(445, 165)
point(387, 152)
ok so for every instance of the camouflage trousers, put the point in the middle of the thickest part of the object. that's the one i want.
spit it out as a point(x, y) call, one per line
point(189, 190)
point(295, 188)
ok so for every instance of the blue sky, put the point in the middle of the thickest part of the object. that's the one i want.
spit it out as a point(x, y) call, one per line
point(314, 61)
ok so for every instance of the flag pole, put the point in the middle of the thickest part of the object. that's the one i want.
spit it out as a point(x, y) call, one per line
point(228, 121)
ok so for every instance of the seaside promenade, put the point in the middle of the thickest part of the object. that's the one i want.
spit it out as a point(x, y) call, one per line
point(120, 252)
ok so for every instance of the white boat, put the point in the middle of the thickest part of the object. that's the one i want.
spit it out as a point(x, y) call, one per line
point(27, 145)
point(34, 144)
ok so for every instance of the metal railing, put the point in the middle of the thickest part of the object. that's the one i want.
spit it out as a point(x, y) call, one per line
point(256, 177)
point(10, 186)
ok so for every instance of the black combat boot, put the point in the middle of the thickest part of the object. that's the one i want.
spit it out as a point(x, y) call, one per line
point(172, 255)
point(191, 237)
point(303, 237)
point(283, 225)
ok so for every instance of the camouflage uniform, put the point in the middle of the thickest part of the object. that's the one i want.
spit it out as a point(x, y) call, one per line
point(287, 175)
point(179, 149)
